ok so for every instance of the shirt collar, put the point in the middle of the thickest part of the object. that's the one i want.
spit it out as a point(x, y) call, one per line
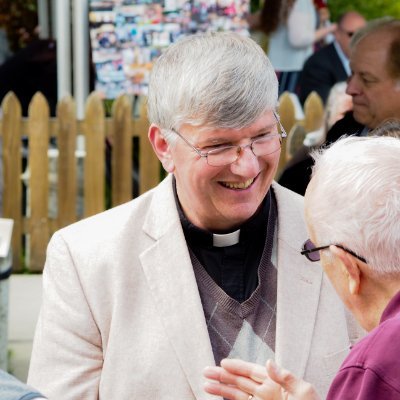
point(196, 236)
point(345, 61)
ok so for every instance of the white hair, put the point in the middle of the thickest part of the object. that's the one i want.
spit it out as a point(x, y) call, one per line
point(212, 80)
point(354, 200)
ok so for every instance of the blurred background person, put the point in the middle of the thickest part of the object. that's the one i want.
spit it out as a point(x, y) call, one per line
point(374, 87)
point(291, 27)
point(331, 63)
point(323, 19)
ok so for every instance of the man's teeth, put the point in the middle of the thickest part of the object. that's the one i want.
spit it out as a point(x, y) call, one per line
point(238, 185)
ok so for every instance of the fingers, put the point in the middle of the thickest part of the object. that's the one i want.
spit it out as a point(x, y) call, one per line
point(243, 368)
point(238, 387)
point(226, 381)
point(225, 391)
point(299, 389)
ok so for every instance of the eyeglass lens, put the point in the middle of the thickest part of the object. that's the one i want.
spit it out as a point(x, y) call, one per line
point(228, 155)
point(312, 255)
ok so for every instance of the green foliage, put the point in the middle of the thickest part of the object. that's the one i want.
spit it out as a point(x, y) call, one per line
point(19, 19)
point(369, 8)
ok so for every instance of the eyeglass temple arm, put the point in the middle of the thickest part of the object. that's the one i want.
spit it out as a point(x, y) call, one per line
point(308, 251)
point(278, 119)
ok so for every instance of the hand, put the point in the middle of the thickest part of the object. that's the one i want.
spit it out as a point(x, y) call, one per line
point(237, 380)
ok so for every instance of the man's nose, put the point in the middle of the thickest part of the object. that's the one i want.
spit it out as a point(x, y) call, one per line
point(247, 164)
point(353, 87)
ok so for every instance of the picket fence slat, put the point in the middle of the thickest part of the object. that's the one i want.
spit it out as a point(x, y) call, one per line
point(121, 165)
point(94, 165)
point(313, 112)
point(66, 163)
point(38, 167)
point(12, 170)
point(287, 115)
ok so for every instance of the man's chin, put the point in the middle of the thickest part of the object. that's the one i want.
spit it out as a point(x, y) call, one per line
point(361, 116)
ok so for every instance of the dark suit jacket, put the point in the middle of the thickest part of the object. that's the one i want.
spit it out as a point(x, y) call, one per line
point(320, 72)
point(297, 173)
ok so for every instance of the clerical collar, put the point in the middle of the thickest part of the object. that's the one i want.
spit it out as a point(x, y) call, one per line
point(197, 237)
point(226, 239)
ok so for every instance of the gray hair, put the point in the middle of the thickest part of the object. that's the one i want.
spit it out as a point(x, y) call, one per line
point(212, 80)
point(355, 199)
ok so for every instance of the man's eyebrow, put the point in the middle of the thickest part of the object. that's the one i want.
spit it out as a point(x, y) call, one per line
point(222, 139)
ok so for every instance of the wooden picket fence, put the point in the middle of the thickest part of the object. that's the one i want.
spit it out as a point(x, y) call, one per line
point(33, 225)
point(312, 119)
point(29, 201)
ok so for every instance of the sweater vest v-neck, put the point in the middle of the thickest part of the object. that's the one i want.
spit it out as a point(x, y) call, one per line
point(242, 330)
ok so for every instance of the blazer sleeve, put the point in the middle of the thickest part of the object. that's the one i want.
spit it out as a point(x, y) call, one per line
point(66, 361)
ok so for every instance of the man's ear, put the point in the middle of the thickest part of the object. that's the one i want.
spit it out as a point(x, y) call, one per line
point(351, 265)
point(161, 148)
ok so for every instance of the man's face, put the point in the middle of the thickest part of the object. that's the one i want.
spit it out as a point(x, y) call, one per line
point(221, 198)
point(376, 95)
point(348, 26)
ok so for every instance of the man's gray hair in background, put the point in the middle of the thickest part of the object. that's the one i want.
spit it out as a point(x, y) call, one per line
point(211, 80)
point(359, 178)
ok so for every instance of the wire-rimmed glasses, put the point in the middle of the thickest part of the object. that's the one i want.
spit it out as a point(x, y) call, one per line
point(225, 155)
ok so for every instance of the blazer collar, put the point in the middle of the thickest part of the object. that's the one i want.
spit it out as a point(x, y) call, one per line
point(169, 272)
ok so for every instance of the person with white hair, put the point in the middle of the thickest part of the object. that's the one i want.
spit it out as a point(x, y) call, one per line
point(139, 299)
point(352, 208)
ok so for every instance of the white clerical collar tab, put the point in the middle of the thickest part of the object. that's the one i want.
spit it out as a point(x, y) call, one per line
point(227, 239)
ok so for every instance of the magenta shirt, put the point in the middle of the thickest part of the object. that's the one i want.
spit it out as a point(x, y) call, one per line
point(372, 369)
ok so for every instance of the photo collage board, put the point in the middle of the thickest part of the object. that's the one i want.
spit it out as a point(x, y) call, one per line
point(128, 35)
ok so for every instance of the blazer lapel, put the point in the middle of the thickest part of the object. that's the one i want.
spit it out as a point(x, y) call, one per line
point(299, 284)
point(168, 269)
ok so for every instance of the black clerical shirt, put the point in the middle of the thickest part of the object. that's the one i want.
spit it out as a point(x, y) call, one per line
point(234, 268)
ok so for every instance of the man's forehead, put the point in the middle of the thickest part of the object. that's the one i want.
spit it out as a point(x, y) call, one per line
point(370, 54)
point(267, 120)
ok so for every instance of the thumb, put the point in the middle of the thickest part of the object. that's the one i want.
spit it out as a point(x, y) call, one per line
point(295, 387)
point(282, 376)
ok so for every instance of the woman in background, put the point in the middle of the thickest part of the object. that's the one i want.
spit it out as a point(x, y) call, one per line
point(291, 26)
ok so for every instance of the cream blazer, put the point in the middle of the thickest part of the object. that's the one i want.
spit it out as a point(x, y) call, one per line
point(121, 316)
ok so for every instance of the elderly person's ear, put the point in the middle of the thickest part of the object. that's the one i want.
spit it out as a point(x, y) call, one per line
point(161, 147)
point(351, 266)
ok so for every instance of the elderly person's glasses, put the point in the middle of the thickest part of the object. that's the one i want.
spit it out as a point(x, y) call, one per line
point(312, 252)
point(225, 155)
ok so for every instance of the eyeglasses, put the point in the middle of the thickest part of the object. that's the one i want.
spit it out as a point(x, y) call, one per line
point(348, 33)
point(225, 155)
point(312, 253)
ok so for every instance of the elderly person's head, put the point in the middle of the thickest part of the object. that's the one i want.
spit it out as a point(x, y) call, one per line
point(353, 204)
point(209, 94)
point(375, 80)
